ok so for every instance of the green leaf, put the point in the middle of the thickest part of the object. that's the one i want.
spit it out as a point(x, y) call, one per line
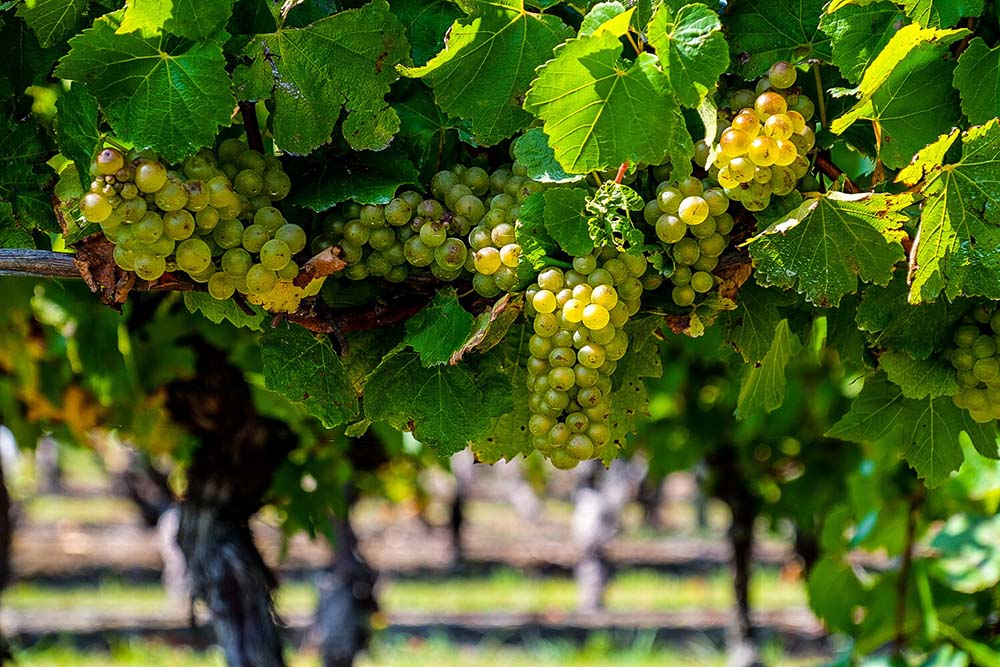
point(305, 369)
point(583, 94)
point(762, 385)
point(753, 324)
point(834, 590)
point(858, 33)
point(958, 241)
point(976, 81)
point(514, 41)
point(11, 234)
point(426, 134)
point(442, 405)
point(20, 185)
point(918, 378)
point(907, 40)
point(898, 324)
point(565, 220)
point(927, 431)
point(509, 437)
point(533, 152)
point(763, 31)
point(53, 20)
point(536, 244)
point(345, 62)
point(692, 49)
point(77, 133)
point(630, 398)
point(367, 177)
point(169, 95)
point(191, 19)
point(491, 327)
point(216, 311)
point(609, 216)
point(823, 246)
point(440, 329)
point(967, 560)
point(941, 13)
point(427, 23)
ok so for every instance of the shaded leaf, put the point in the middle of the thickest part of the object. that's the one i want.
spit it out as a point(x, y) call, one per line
point(762, 385)
point(53, 20)
point(762, 31)
point(976, 81)
point(440, 329)
point(858, 33)
point(692, 49)
point(367, 177)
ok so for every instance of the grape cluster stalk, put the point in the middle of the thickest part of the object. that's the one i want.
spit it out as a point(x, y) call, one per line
point(212, 218)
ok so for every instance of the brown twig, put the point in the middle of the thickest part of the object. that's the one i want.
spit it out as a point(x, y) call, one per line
point(970, 23)
point(902, 589)
point(834, 172)
point(254, 138)
point(621, 172)
point(820, 96)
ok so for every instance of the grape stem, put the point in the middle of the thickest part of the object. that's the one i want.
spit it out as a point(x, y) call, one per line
point(621, 172)
point(834, 172)
point(254, 139)
point(820, 98)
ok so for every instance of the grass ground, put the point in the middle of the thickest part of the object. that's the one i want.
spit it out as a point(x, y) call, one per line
point(637, 590)
point(418, 653)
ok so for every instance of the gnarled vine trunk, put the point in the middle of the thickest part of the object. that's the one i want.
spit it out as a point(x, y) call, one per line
point(229, 474)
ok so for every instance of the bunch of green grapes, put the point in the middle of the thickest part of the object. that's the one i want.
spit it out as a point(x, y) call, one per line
point(578, 318)
point(761, 152)
point(212, 218)
point(976, 359)
point(465, 227)
point(693, 224)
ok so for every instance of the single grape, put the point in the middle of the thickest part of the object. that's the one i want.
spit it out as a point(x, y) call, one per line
point(150, 176)
point(236, 261)
point(125, 259)
point(149, 229)
point(221, 286)
point(683, 295)
point(193, 255)
point(782, 75)
point(770, 103)
point(417, 252)
point(109, 161)
point(95, 207)
point(254, 237)
point(451, 254)
point(277, 184)
point(178, 225)
point(228, 233)
point(149, 266)
point(261, 279)
point(488, 261)
point(485, 286)
point(294, 236)
point(291, 270)
point(275, 254)
point(172, 196)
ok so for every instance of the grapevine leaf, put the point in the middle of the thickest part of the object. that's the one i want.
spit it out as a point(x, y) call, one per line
point(304, 368)
point(52, 20)
point(858, 33)
point(606, 16)
point(584, 92)
point(565, 221)
point(941, 13)
point(216, 311)
point(967, 561)
point(440, 329)
point(755, 322)
point(630, 398)
point(833, 590)
point(907, 40)
point(442, 405)
point(897, 324)
point(23, 62)
point(77, 135)
point(11, 234)
point(365, 351)
point(163, 93)
point(763, 32)
point(762, 384)
point(345, 62)
point(367, 177)
point(425, 133)
point(533, 152)
point(692, 49)
point(20, 185)
point(975, 78)
point(823, 246)
point(509, 436)
point(536, 244)
point(191, 19)
point(609, 220)
point(642, 360)
point(514, 41)
point(427, 23)
point(918, 378)
point(491, 326)
point(927, 429)
point(958, 246)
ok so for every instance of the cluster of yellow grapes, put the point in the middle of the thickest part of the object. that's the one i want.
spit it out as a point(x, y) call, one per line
point(465, 227)
point(976, 359)
point(212, 218)
point(578, 318)
point(694, 225)
point(762, 150)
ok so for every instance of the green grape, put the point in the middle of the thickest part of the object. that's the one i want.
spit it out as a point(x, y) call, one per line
point(221, 286)
point(269, 218)
point(433, 234)
point(686, 251)
point(397, 274)
point(289, 271)
point(125, 259)
point(150, 176)
point(95, 207)
point(683, 295)
point(260, 279)
point(198, 167)
point(669, 200)
point(703, 229)
point(277, 184)
point(294, 236)
point(984, 347)
point(149, 266)
point(198, 196)
point(503, 234)
point(398, 212)
point(591, 355)
point(193, 256)
point(109, 161)
point(506, 278)
point(987, 370)
point(510, 255)
point(149, 228)
point(161, 246)
point(712, 246)
point(966, 335)
point(395, 254)
point(485, 286)
point(782, 75)
point(471, 207)
point(254, 237)
point(230, 149)
point(172, 196)
point(228, 233)
point(670, 229)
point(248, 183)
point(417, 252)
point(206, 219)
point(236, 261)
point(451, 254)
point(251, 159)
point(178, 225)
point(275, 254)
point(962, 359)
point(580, 447)
point(702, 282)
point(600, 277)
